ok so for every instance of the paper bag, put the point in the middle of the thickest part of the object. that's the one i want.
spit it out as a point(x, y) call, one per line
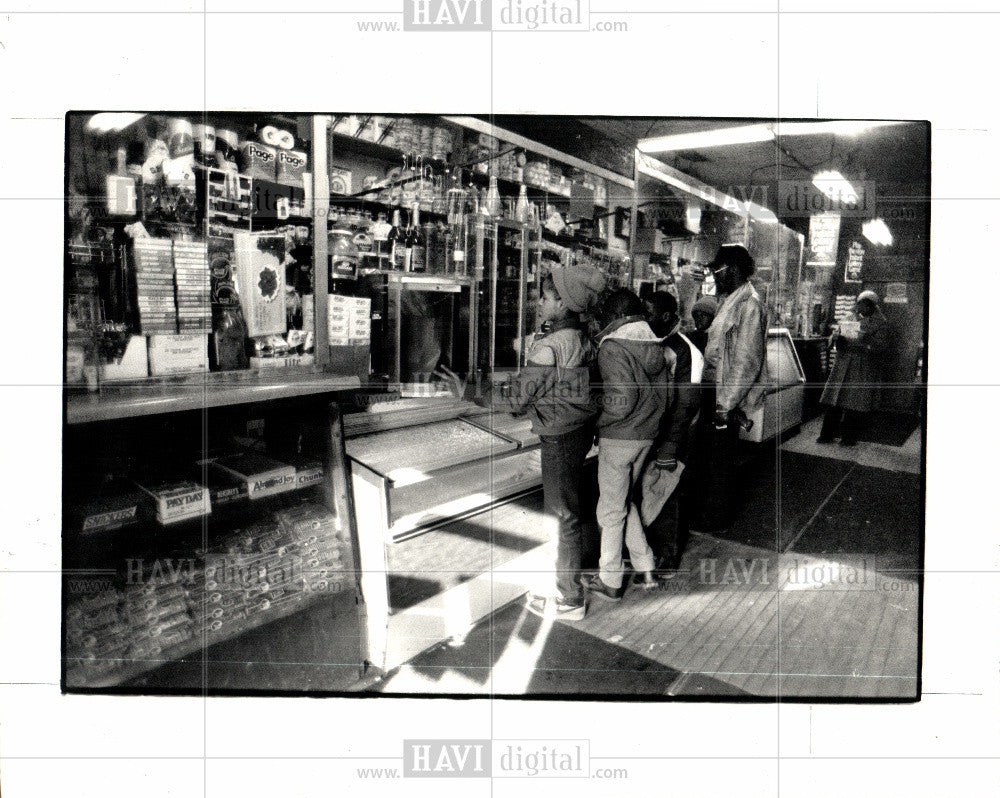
point(658, 485)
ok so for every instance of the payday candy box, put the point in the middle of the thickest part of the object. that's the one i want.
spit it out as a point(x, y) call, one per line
point(175, 500)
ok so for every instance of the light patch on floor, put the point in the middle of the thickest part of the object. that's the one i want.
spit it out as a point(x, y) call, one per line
point(905, 458)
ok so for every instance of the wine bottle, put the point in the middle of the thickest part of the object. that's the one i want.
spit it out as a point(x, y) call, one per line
point(380, 240)
point(417, 244)
point(521, 209)
point(396, 243)
point(408, 245)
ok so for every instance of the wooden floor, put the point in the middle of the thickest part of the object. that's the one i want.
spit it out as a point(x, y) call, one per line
point(772, 624)
point(812, 616)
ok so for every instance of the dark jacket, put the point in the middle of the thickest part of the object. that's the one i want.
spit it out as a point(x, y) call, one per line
point(634, 380)
point(558, 398)
point(853, 383)
point(684, 367)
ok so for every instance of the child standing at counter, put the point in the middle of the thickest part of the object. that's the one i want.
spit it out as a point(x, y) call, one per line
point(554, 388)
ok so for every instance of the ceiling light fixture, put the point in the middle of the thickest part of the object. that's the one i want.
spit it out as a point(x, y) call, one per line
point(749, 134)
point(836, 187)
point(745, 134)
point(877, 231)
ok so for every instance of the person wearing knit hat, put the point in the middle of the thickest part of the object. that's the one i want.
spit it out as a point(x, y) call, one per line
point(578, 286)
point(703, 312)
point(554, 389)
point(851, 389)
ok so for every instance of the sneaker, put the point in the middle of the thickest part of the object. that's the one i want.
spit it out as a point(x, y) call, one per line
point(647, 580)
point(596, 587)
point(557, 607)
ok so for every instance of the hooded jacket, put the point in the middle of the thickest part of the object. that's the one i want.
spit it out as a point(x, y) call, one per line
point(558, 398)
point(634, 378)
point(684, 368)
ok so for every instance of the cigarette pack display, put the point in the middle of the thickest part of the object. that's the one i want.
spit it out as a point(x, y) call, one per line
point(175, 500)
point(262, 475)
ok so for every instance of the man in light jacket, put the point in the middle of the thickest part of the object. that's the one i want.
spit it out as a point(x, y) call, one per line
point(735, 364)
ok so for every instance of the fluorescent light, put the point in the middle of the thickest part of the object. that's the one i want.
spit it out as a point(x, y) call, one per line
point(745, 134)
point(877, 231)
point(835, 186)
point(840, 127)
point(748, 134)
point(112, 122)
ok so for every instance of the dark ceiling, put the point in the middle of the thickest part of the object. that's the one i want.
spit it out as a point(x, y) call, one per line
point(896, 157)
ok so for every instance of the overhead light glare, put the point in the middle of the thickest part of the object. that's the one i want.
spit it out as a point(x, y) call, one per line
point(111, 122)
point(838, 127)
point(749, 134)
point(877, 231)
point(836, 187)
point(745, 134)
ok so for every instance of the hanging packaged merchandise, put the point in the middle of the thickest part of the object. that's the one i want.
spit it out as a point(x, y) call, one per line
point(258, 160)
point(260, 280)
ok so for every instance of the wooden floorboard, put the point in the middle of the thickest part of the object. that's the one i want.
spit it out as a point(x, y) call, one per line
point(833, 642)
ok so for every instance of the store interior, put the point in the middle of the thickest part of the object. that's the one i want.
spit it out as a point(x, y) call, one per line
point(269, 488)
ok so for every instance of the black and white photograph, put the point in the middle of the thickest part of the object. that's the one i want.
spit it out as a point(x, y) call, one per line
point(519, 455)
point(498, 389)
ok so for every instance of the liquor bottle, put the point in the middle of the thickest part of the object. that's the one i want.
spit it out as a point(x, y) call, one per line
point(408, 245)
point(417, 243)
point(380, 240)
point(460, 235)
point(395, 243)
point(521, 209)
point(494, 205)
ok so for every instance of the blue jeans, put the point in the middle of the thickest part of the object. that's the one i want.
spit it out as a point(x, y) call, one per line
point(562, 473)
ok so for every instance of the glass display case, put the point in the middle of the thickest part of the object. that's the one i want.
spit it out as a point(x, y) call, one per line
point(419, 323)
point(211, 550)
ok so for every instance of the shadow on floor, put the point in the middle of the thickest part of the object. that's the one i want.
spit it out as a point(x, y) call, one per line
point(517, 653)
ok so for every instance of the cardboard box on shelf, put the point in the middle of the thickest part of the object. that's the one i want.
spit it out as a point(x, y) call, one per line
point(262, 475)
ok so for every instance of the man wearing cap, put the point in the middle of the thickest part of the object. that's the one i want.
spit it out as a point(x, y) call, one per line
point(554, 388)
point(735, 364)
point(703, 313)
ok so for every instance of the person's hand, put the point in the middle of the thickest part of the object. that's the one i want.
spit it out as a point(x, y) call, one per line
point(666, 463)
point(455, 384)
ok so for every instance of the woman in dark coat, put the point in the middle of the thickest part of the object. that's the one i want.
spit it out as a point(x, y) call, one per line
point(852, 387)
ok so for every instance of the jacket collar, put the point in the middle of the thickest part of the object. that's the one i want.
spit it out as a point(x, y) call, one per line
point(629, 328)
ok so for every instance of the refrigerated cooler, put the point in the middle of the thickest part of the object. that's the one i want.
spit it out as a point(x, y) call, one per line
point(782, 406)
